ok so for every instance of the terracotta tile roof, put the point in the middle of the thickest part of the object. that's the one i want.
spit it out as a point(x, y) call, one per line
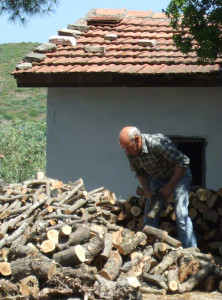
point(122, 55)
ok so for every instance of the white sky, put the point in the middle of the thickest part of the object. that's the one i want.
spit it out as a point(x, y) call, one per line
point(39, 29)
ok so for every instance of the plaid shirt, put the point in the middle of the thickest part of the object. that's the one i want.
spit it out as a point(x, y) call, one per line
point(158, 157)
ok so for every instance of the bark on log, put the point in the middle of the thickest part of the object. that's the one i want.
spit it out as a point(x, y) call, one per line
point(108, 244)
point(128, 245)
point(157, 279)
point(196, 279)
point(112, 266)
point(93, 248)
point(162, 236)
point(70, 257)
point(172, 280)
point(79, 236)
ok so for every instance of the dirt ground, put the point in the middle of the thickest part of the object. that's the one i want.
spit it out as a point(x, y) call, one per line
point(188, 296)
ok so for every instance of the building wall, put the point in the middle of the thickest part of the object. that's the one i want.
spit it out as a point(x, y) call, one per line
point(84, 124)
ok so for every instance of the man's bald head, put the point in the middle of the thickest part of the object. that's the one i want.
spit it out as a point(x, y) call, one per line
point(130, 140)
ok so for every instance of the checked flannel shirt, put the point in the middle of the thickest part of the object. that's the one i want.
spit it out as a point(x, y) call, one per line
point(158, 157)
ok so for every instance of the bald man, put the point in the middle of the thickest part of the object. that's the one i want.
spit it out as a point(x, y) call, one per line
point(159, 165)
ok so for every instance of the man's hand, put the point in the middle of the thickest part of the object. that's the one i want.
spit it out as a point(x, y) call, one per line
point(167, 191)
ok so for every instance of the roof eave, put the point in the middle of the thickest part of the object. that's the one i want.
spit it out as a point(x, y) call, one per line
point(109, 79)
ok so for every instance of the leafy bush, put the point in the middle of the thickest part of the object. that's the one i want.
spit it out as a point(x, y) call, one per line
point(23, 145)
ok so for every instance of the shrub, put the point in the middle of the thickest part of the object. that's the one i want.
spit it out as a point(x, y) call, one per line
point(23, 145)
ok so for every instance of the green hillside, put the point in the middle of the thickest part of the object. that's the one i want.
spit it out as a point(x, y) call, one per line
point(22, 103)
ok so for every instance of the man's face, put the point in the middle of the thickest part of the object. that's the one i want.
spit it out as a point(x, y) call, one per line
point(132, 147)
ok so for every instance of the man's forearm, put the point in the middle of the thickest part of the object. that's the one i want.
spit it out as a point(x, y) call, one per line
point(143, 179)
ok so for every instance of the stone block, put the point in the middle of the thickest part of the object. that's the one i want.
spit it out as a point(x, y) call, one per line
point(34, 57)
point(149, 43)
point(110, 37)
point(24, 66)
point(95, 49)
point(69, 32)
point(63, 40)
point(46, 47)
point(80, 27)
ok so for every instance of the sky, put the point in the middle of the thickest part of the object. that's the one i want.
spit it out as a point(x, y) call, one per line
point(40, 28)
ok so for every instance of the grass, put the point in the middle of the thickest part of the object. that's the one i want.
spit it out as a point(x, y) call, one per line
point(22, 103)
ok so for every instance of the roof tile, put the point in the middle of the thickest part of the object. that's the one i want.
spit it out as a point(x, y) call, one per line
point(124, 54)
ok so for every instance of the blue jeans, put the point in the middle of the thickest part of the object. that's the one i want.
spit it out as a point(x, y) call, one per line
point(184, 224)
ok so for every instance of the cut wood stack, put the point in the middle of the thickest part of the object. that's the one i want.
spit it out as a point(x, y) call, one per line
point(58, 240)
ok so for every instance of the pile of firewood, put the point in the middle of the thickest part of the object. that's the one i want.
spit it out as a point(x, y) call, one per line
point(205, 210)
point(58, 240)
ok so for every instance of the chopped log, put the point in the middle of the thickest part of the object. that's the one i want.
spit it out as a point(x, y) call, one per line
point(43, 267)
point(93, 248)
point(79, 236)
point(162, 236)
point(212, 200)
point(29, 286)
point(129, 264)
point(53, 235)
point(20, 252)
point(84, 272)
point(112, 267)
point(128, 245)
point(172, 280)
point(5, 268)
point(148, 290)
point(135, 210)
point(65, 230)
point(70, 257)
point(104, 288)
point(188, 266)
point(203, 194)
point(15, 235)
point(166, 262)
point(78, 204)
point(125, 288)
point(157, 279)
point(48, 246)
point(160, 249)
point(196, 279)
point(108, 244)
point(138, 268)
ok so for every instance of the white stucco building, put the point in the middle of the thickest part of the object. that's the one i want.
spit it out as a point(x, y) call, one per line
point(93, 92)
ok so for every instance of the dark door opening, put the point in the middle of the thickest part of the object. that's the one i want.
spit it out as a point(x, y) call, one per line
point(194, 148)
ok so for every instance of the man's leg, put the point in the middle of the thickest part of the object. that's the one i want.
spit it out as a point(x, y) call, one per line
point(155, 185)
point(184, 224)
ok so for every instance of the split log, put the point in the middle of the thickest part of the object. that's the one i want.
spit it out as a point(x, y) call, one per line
point(196, 279)
point(188, 266)
point(112, 267)
point(128, 245)
point(162, 236)
point(70, 257)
